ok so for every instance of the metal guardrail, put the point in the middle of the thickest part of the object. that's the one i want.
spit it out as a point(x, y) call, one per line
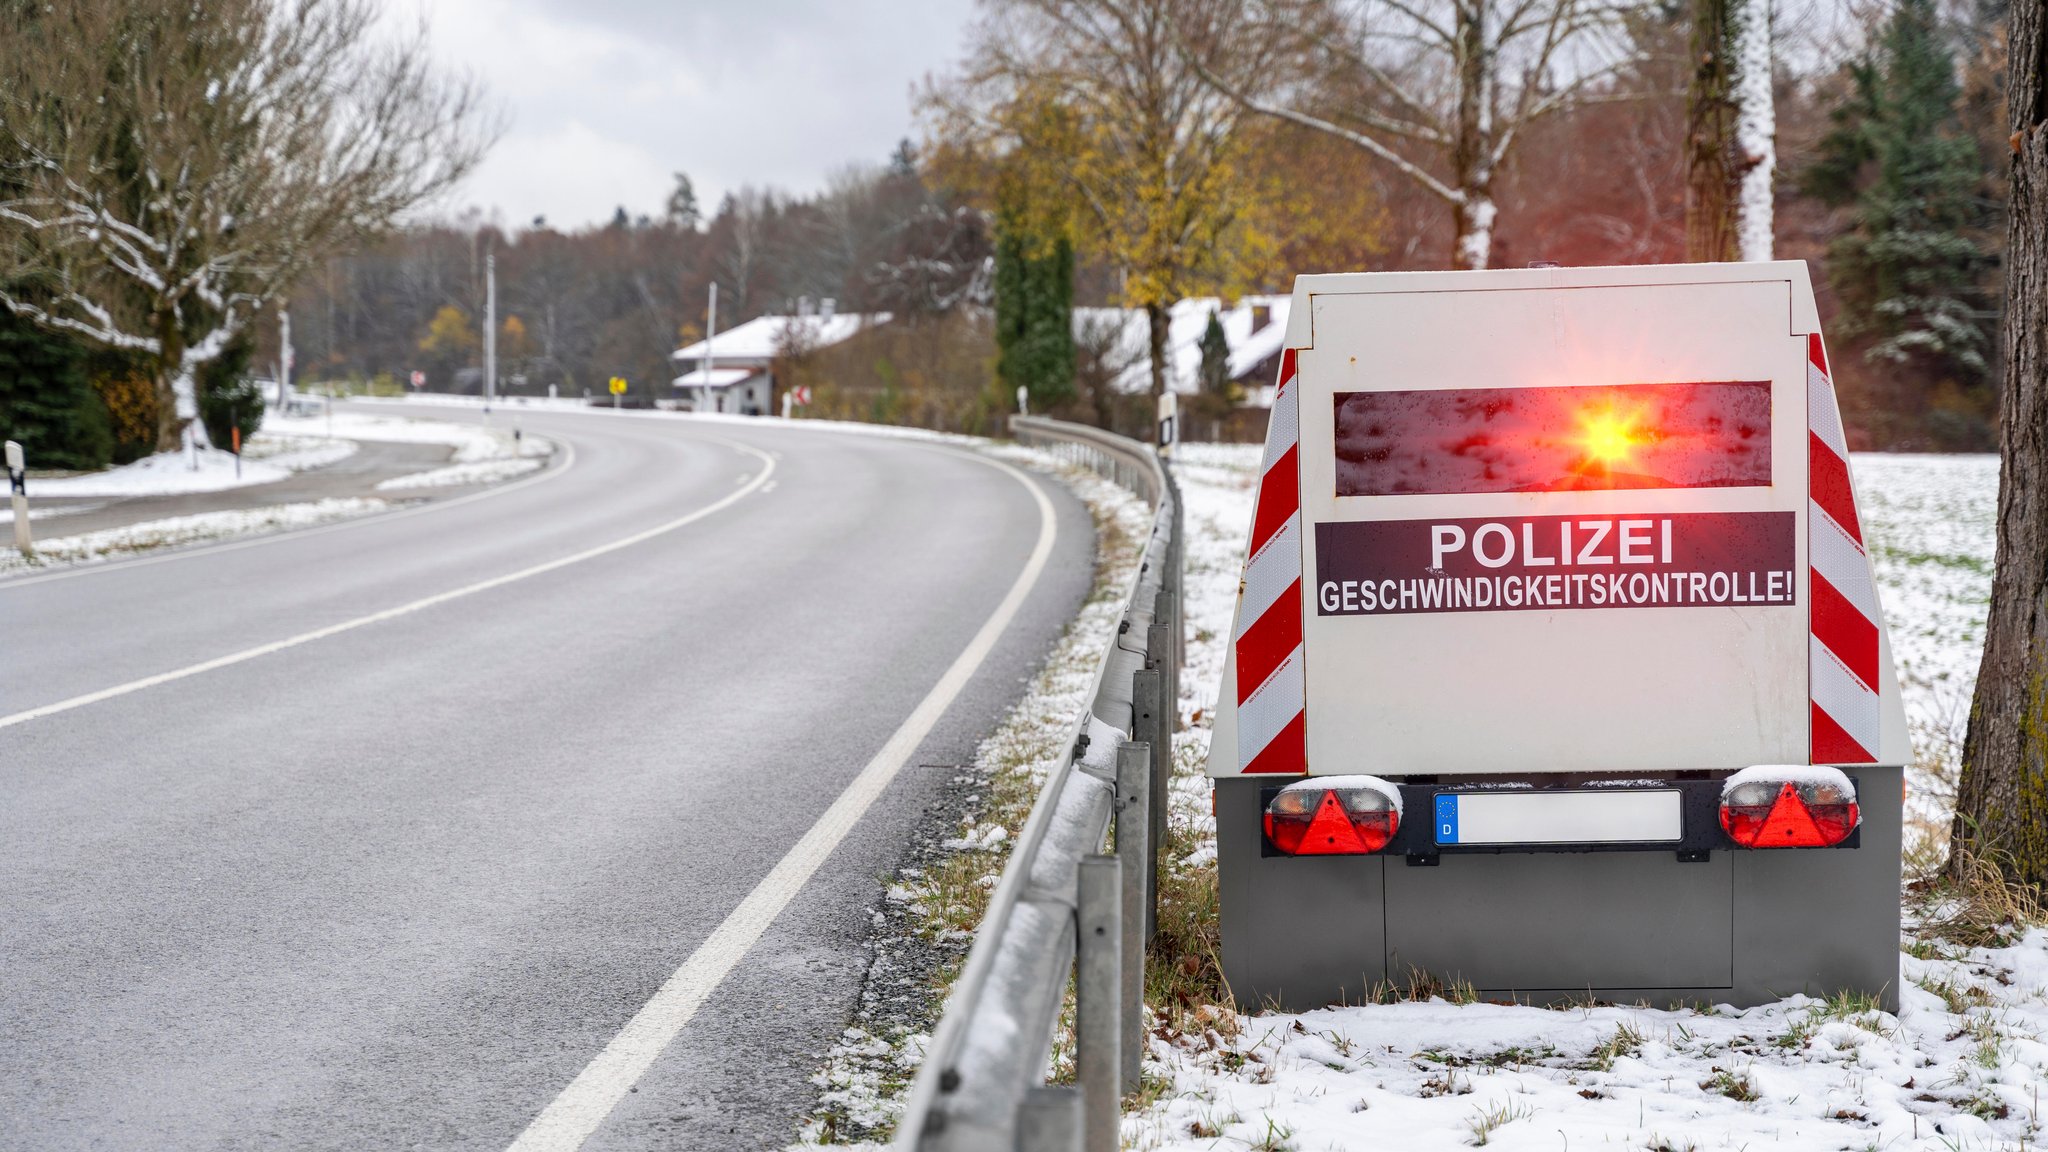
point(1059, 907)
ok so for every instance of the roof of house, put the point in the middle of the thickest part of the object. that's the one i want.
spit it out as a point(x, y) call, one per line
point(1126, 331)
point(765, 337)
point(715, 378)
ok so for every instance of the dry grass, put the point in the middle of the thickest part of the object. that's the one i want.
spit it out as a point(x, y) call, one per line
point(1976, 905)
point(1183, 966)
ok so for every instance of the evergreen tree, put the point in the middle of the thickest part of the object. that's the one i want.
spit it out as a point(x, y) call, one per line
point(1215, 349)
point(682, 208)
point(47, 402)
point(1911, 269)
point(228, 397)
point(1034, 289)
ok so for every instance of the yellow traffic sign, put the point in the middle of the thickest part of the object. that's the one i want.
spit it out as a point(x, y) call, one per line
point(618, 385)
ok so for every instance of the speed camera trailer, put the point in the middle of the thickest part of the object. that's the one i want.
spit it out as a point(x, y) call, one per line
point(1558, 668)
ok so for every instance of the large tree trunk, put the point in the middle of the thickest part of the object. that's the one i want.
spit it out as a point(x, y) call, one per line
point(1157, 320)
point(1756, 127)
point(170, 420)
point(1472, 148)
point(2002, 804)
point(1711, 175)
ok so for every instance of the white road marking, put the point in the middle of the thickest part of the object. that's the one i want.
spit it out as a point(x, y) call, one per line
point(568, 461)
point(566, 1123)
point(407, 609)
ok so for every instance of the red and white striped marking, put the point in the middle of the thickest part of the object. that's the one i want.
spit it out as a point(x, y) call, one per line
point(1271, 689)
point(1844, 661)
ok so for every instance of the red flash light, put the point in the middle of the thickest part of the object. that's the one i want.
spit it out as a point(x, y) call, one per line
point(1348, 816)
point(1709, 434)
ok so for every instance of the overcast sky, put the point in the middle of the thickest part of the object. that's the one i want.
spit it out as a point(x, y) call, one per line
point(607, 98)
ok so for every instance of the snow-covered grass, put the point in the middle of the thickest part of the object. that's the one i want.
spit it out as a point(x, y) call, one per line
point(176, 531)
point(1931, 522)
point(169, 474)
point(289, 444)
point(933, 906)
point(1959, 1067)
point(479, 472)
point(473, 443)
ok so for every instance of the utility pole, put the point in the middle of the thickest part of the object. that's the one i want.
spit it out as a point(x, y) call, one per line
point(284, 356)
point(710, 331)
point(490, 329)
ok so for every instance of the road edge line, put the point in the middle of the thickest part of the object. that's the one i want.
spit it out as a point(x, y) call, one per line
point(590, 1098)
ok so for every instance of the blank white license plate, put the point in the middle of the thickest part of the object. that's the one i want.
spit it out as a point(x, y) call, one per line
point(1602, 817)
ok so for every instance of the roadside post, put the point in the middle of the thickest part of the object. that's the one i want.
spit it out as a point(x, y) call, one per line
point(235, 437)
point(618, 389)
point(1023, 401)
point(1169, 422)
point(797, 397)
point(17, 483)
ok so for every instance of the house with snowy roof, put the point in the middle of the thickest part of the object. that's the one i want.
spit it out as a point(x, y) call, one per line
point(734, 371)
point(1254, 327)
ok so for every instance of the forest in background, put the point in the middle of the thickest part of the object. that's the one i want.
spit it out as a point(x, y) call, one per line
point(1902, 120)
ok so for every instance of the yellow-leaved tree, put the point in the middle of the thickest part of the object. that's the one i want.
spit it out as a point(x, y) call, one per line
point(1094, 112)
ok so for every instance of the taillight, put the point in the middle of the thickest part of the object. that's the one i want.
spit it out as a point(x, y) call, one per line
point(1789, 807)
point(1334, 816)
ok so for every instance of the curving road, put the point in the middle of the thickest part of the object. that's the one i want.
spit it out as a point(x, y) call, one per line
point(344, 839)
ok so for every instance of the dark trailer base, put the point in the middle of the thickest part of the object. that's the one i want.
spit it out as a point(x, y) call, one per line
point(1740, 927)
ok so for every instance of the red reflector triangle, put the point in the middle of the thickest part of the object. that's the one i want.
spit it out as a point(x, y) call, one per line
point(1790, 825)
point(1331, 832)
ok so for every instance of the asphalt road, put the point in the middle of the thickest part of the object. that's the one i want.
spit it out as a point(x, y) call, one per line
point(397, 886)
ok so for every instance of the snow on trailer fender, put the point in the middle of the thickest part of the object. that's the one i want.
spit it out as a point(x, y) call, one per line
point(1564, 564)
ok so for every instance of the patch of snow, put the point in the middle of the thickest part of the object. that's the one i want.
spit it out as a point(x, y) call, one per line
point(297, 453)
point(472, 442)
point(166, 474)
point(1798, 775)
point(481, 472)
point(1960, 1065)
point(176, 531)
point(1368, 783)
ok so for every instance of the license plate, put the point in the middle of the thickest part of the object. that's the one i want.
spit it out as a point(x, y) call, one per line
point(1591, 817)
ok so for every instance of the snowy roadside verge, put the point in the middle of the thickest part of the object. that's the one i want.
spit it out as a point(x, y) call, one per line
point(925, 923)
point(287, 445)
point(204, 527)
point(267, 460)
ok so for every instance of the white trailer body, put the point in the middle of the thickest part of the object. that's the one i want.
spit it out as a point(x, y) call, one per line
point(1588, 535)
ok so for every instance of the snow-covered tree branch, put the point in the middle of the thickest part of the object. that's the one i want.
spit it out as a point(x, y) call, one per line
point(168, 170)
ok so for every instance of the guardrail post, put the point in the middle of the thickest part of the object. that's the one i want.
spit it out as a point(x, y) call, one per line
point(1149, 725)
point(1049, 1120)
point(1098, 991)
point(1134, 848)
point(1159, 643)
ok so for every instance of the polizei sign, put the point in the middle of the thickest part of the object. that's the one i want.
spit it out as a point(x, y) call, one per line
point(1526, 563)
point(1558, 666)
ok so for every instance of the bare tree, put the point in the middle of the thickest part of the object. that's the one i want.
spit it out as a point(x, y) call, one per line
point(1731, 153)
point(168, 169)
point(1439, 90)
point(749, 215)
